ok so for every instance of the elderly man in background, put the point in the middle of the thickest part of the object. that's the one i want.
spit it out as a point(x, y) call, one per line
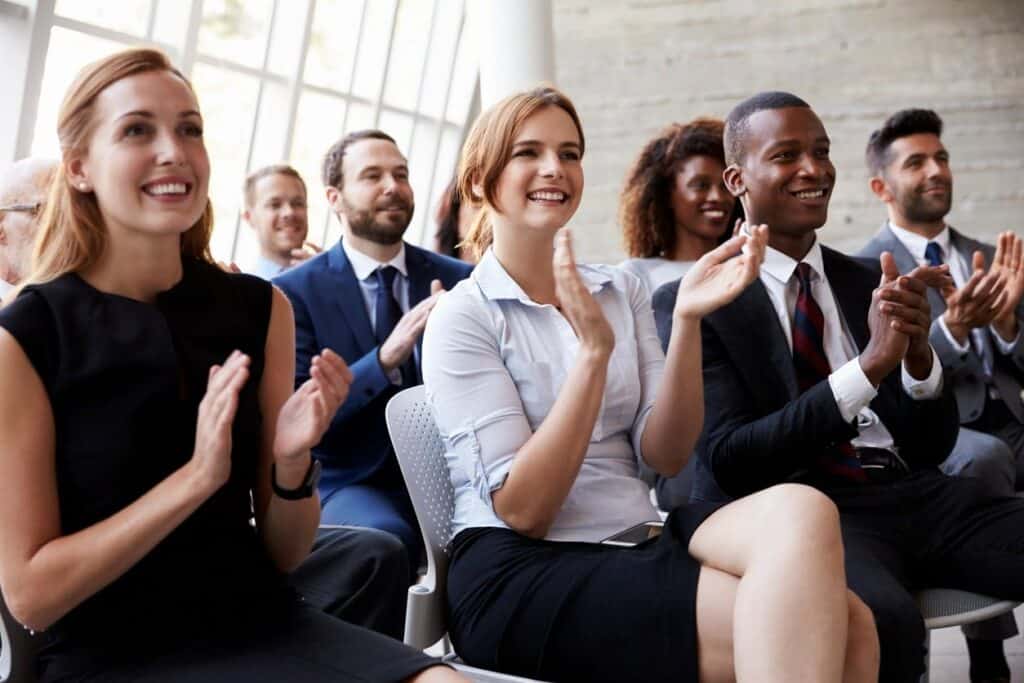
point(23, 188)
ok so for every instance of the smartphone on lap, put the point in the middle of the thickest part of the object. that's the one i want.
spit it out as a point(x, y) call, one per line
point(635, 535)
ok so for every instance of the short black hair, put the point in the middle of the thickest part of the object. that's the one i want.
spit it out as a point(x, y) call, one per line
point(736, 121)
point(331, 170)
point(901, 124)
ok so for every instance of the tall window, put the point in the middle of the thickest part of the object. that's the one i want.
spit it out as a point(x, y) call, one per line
point(280, 80)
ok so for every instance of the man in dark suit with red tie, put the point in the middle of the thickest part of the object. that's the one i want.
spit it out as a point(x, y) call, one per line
point(821, 373)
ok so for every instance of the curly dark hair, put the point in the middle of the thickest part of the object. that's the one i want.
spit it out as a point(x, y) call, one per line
point(645, 206)
point(447, 218)
point(902, 124)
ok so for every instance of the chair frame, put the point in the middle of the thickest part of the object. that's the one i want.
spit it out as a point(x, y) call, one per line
point(420, 453)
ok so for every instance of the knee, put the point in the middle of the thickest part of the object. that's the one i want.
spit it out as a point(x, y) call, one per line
point(862, 646)
point(386, 551)
point(804, 514)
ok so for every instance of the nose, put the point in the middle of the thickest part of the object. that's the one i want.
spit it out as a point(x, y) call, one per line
point(551, 165)
point(169, 149)
point(812, 167)
point(934, 168)
point(718, 193)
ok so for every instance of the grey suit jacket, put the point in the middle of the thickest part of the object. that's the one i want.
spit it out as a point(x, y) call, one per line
point(963, 371)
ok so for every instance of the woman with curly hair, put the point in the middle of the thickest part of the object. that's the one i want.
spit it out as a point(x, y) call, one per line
point(675, 207)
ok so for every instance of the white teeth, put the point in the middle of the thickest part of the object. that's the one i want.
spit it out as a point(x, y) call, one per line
point(715, 214)
point(547, 196)
point(166, 188)
point(811, 194)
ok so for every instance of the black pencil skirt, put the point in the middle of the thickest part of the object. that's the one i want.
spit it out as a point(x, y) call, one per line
point(578, 611)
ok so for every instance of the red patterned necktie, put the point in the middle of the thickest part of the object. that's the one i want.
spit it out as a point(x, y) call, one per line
point(811, 365)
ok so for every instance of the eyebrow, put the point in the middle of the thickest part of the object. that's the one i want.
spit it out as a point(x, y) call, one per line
point(526, 143)
point(149, 115)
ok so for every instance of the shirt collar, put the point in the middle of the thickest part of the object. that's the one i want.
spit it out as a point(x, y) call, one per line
point(916, 244)
point(780, 266)
point(5, 287)
point(496, 284)
point(364, 266)
point(266, 269)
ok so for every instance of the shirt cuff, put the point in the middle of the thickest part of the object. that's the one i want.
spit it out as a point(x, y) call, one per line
point(852, 389)
point(924, 389)
point(1006, 347)
point(957, 346)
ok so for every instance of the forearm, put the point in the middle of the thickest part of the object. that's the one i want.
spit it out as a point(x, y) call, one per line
point(678, 414)
point(67, 570)
point(289, 527)
point(545, 467)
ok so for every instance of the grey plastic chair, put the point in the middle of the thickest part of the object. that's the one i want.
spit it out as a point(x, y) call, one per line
point(944, 607)
point(17, 650)
point(420, 453)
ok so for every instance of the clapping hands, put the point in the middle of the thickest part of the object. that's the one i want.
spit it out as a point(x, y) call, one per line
point(306, 414)
point(575, 300)
point(721, 274)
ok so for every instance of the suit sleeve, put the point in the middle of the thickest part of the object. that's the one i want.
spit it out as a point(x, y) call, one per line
point(747, 451)
point(368, 377)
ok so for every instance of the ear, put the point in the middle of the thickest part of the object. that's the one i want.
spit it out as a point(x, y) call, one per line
point(3, 237)
point(733, 177)
point(880, 189)
point(77, 174)
point(247, 215)
point(333, 196)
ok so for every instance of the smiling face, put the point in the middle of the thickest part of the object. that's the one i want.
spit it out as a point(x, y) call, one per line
point(540, 186)
point(701, 203)
point(278, 214)
point(376, 198)
point(917, 180)
point(145, 159)
point(785, 177)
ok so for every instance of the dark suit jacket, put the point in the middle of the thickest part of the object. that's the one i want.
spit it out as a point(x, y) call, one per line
point(964, 372)
point(758, 431)
point(330, 313)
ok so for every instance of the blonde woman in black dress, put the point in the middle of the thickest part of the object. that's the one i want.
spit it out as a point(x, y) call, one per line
point(148, 413)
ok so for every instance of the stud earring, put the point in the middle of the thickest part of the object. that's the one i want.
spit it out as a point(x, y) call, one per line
point(83, 187)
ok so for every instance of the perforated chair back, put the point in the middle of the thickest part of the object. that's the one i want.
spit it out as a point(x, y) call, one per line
point(420, 453)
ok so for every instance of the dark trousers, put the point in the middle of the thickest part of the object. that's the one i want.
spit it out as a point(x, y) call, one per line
point(926, 530)
point(359, 575)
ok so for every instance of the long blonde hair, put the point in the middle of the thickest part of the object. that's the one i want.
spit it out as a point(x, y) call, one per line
point(71, 234)
point(489, 147)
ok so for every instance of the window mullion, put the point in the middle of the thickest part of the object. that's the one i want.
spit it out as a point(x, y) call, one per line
point(423, 71)
point(295, 87)
point(387, 65)
point(39, 43)
point(268, 42)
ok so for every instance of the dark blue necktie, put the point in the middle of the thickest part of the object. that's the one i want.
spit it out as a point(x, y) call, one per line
point(388, 313)
point(812, 367)
point(933, 252)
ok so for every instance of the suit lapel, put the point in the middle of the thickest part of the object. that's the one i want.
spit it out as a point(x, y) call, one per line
point(850, 291)
point(750, 325)
point(906, 262)
point(421, 271)
point(349, 297)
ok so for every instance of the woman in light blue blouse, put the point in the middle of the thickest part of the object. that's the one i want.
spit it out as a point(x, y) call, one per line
point(549, 385)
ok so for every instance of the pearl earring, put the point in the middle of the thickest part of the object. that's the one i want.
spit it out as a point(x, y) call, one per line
point(83, 187)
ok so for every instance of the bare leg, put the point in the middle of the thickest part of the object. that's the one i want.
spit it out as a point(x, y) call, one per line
point(439, 674)
point(790, 614)
point(862, 648)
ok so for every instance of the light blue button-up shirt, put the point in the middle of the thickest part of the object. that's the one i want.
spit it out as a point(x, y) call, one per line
point(493, 364)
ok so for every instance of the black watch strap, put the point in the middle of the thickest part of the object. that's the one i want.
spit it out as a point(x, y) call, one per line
point(305, 489)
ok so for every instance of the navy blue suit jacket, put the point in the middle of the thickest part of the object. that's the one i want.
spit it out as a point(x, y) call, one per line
point(330, 313)
point(758, 429)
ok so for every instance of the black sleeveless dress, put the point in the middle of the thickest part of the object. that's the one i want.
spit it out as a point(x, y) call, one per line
point(124, 379)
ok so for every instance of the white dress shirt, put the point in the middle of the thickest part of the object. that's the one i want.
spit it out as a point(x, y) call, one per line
point(266, 269)
point(5, 287)
point(365, 268)
point(493, 363)
point(850, 386)
point(961, 271)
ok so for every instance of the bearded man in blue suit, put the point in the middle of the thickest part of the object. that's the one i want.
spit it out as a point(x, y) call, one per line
point(368, 299)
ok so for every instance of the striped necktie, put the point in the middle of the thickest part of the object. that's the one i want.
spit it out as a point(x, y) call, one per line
point(812, 366)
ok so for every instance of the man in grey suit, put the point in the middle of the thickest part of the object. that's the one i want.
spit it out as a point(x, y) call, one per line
point(976, 326)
